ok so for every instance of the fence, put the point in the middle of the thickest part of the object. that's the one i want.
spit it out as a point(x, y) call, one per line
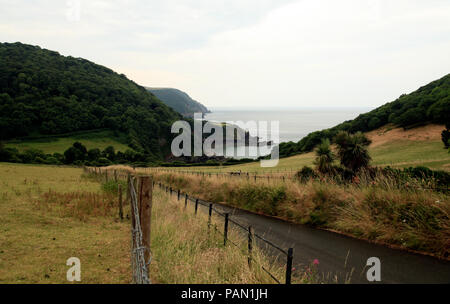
point(289, 253)
point(140, 231)
point(139, 194)
point(253, 176)
point(244, 175)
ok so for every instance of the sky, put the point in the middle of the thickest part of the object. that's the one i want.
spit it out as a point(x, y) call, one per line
point(252, 53)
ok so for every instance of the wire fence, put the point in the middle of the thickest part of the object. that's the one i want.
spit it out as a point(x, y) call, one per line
point(140, 207)
point(141, 254)
point(289, 253)
point(138, 251)
point(280, 177)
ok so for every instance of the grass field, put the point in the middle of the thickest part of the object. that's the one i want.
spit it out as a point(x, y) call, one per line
point(50, 214)
point(37, 238)
point(90, 140)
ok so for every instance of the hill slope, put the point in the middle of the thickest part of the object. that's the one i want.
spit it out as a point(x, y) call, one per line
point(395, 147)
point(179, 101)
point(44, 93)
point(429, 104)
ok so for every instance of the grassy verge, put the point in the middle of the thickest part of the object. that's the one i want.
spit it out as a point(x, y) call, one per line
point(184, 251)
point(380, 212)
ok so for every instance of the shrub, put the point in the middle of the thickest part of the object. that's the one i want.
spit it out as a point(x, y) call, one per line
point(103, 161)
point(305, 174)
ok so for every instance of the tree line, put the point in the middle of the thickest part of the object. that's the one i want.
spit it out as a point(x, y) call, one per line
point(77, 155)
point(429, 104)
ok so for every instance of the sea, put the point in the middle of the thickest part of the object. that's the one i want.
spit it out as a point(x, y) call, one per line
point(294, 123)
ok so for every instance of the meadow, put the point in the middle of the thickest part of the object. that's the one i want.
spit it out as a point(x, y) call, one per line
point(43, 222)
point(49, 214)
point(50, 145)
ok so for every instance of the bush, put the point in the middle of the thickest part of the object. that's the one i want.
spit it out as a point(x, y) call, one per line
point(305, 174)
point(103, 161)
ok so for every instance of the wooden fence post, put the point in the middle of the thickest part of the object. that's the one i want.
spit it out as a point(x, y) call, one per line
point(145, 212)
point(196, 206)
point(185, 201)
point(250, 245)
point(120, 202)
point(178, 194)
point(225, 229)
point(209, 216)
point(289, 265)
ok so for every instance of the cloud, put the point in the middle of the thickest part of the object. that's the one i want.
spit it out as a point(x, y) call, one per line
point(251, 52)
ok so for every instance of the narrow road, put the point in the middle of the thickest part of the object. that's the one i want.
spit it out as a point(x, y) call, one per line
point(341, 257)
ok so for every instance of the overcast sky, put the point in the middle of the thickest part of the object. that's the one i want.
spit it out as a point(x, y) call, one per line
point(250, 52)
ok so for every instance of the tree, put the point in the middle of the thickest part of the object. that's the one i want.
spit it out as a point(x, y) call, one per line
point(94, 154)
point(76, 153)
point(109, 153)
point(324, 157)
point(352, 150)
point(79, 146)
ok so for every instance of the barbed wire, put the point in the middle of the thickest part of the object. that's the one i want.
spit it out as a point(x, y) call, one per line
point(138, 250)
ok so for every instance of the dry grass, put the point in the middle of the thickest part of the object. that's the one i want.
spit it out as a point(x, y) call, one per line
point(379, 211)
point(389, 134)
point(185, 252)
point(49, 214)
point(40, 228)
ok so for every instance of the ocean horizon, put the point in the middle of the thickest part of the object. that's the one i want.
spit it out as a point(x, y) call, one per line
point(294, 123)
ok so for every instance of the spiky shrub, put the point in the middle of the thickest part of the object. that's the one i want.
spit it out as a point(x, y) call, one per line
point(306, 174)
point(324, 157)
point(352, 150)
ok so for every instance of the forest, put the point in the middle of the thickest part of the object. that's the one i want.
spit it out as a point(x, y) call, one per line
point(44, 93)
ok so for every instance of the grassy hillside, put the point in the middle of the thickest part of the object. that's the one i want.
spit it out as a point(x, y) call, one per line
point(395, 147)
point(91, 140)
point(429, 104)
point(420, 146)
point(44, 93)
point(179, 101)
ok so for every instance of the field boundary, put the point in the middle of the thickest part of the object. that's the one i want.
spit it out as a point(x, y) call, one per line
point(140, 268)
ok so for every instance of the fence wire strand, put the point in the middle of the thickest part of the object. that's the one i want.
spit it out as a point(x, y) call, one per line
point(139, 266)
point(216, 230)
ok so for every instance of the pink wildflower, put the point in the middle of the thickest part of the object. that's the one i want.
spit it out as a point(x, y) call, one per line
point(316, 262)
